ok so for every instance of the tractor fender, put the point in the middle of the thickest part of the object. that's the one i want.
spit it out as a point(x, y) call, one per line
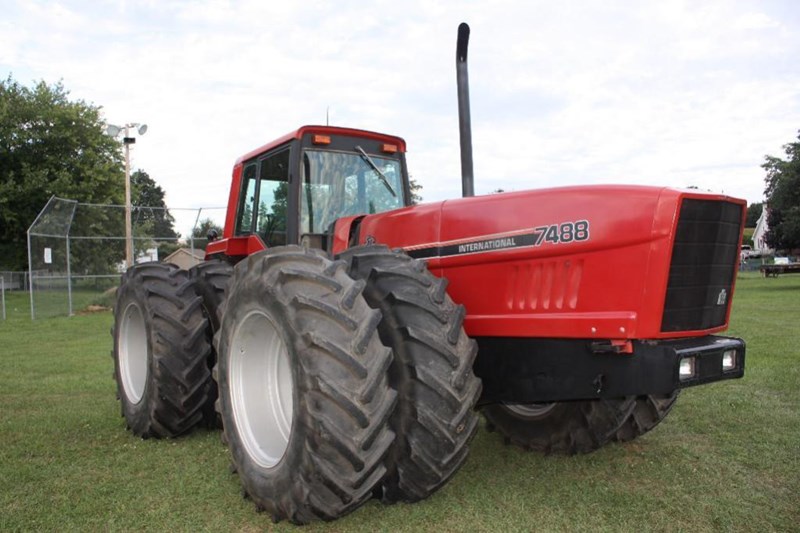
point(345, 233)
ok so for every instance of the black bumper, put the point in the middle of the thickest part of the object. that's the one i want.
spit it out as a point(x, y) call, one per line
point(524, 370)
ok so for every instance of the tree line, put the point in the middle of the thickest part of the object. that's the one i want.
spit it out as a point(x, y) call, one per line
point(51, 145)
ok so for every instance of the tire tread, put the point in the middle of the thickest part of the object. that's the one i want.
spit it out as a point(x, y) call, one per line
point(337, 456)
point(432, 370)
point(179, 381)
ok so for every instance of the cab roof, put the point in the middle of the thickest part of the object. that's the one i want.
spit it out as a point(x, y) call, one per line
point(324, 130)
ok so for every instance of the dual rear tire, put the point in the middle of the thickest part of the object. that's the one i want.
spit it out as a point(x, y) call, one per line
point(342, 379)
point(303, 384)
point(160, 351)
point(431, 370)
point(211, 280)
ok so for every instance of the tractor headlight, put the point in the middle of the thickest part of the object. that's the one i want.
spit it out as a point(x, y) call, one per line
point(686, 370)
point(728, 360)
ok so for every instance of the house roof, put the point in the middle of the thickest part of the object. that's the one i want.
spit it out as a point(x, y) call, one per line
point(196, 253)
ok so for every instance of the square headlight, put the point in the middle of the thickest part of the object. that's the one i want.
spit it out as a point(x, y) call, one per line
point(728, 360)
point(687, 368)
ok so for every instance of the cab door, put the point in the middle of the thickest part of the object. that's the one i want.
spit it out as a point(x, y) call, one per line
point(265, 201)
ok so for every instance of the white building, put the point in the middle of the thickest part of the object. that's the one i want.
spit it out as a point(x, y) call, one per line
point(759, 235)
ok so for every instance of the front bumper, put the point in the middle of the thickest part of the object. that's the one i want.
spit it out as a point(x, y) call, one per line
point(525, 370)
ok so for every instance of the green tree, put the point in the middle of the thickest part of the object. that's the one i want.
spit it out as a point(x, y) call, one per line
point(150, 216)
point(753, 214)
point(416, 190)
point(50, 145)
point(148, 197)
point(783, 198)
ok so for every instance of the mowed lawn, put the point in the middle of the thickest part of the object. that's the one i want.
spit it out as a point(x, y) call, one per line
point(727, 458)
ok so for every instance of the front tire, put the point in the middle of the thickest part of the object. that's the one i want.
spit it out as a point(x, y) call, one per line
point(432, 371)
point(160, 351)
point(304, 396)
point(559, 427)
point(648, 412)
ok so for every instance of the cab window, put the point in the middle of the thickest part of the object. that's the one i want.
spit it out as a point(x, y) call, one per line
point(244, 219)
point(339, 184)
point(264, 201)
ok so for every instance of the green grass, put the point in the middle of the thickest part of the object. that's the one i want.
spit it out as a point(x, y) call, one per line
point(727, 458)
point(54, 303)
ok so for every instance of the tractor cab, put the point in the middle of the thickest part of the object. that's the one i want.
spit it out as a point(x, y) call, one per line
point(293, 190)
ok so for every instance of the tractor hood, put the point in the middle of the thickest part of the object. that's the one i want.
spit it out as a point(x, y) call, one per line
point(591, 261)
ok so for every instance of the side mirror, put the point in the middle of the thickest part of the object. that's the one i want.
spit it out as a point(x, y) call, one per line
point(212, 235)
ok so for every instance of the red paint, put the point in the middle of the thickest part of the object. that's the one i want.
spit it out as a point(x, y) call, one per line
point(611, 286)
point(236, 247)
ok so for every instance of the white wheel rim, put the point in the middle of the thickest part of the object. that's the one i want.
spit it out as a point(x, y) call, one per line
point(530, 410)
point(261, 388)
point(133, 353)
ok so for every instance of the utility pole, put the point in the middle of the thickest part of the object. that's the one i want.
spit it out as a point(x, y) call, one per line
point(127, 141)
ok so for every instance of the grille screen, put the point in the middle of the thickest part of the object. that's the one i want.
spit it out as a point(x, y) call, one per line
point(703, 266)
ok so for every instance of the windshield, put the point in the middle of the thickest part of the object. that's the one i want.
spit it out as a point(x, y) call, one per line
point(339, 184)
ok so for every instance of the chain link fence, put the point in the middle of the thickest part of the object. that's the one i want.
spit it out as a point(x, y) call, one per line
point(76, 251)
point(11, 281)
point(14, 281)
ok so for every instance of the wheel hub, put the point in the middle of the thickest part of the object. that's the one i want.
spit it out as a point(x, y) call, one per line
point(531, 410)
point(261, 388)
point(133, 353)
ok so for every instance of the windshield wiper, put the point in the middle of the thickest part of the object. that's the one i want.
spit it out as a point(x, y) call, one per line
point(374, 167)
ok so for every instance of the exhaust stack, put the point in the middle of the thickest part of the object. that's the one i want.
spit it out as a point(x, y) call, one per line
point(464, 122)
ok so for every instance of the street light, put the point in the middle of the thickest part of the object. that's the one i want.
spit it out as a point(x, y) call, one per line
point(127, 140)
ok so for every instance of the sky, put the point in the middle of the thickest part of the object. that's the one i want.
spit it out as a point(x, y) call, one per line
point(667, 92)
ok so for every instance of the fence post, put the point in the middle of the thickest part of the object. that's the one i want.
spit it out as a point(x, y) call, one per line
point(69, 266)
point(30, 256)
point(30, 274)
point(3, 292)
point(69, 280)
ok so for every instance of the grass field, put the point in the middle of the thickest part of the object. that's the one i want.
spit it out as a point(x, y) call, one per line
point(727, 458)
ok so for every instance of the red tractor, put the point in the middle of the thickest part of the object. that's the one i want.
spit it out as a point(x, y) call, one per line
point(343, 337)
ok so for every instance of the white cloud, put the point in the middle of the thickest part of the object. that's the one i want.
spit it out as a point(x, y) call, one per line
point(754, 21)
point(664, 93)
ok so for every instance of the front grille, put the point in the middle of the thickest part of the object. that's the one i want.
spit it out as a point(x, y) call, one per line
point(704, 257)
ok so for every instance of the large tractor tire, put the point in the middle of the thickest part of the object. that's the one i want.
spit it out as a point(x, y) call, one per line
point(432, 370)
point(559, 427)
point(304, 393)
point(160, 351)
point(648, 412)
point(211, 279)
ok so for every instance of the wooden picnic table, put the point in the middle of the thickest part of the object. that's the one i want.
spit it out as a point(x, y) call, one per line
point(776, 270)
